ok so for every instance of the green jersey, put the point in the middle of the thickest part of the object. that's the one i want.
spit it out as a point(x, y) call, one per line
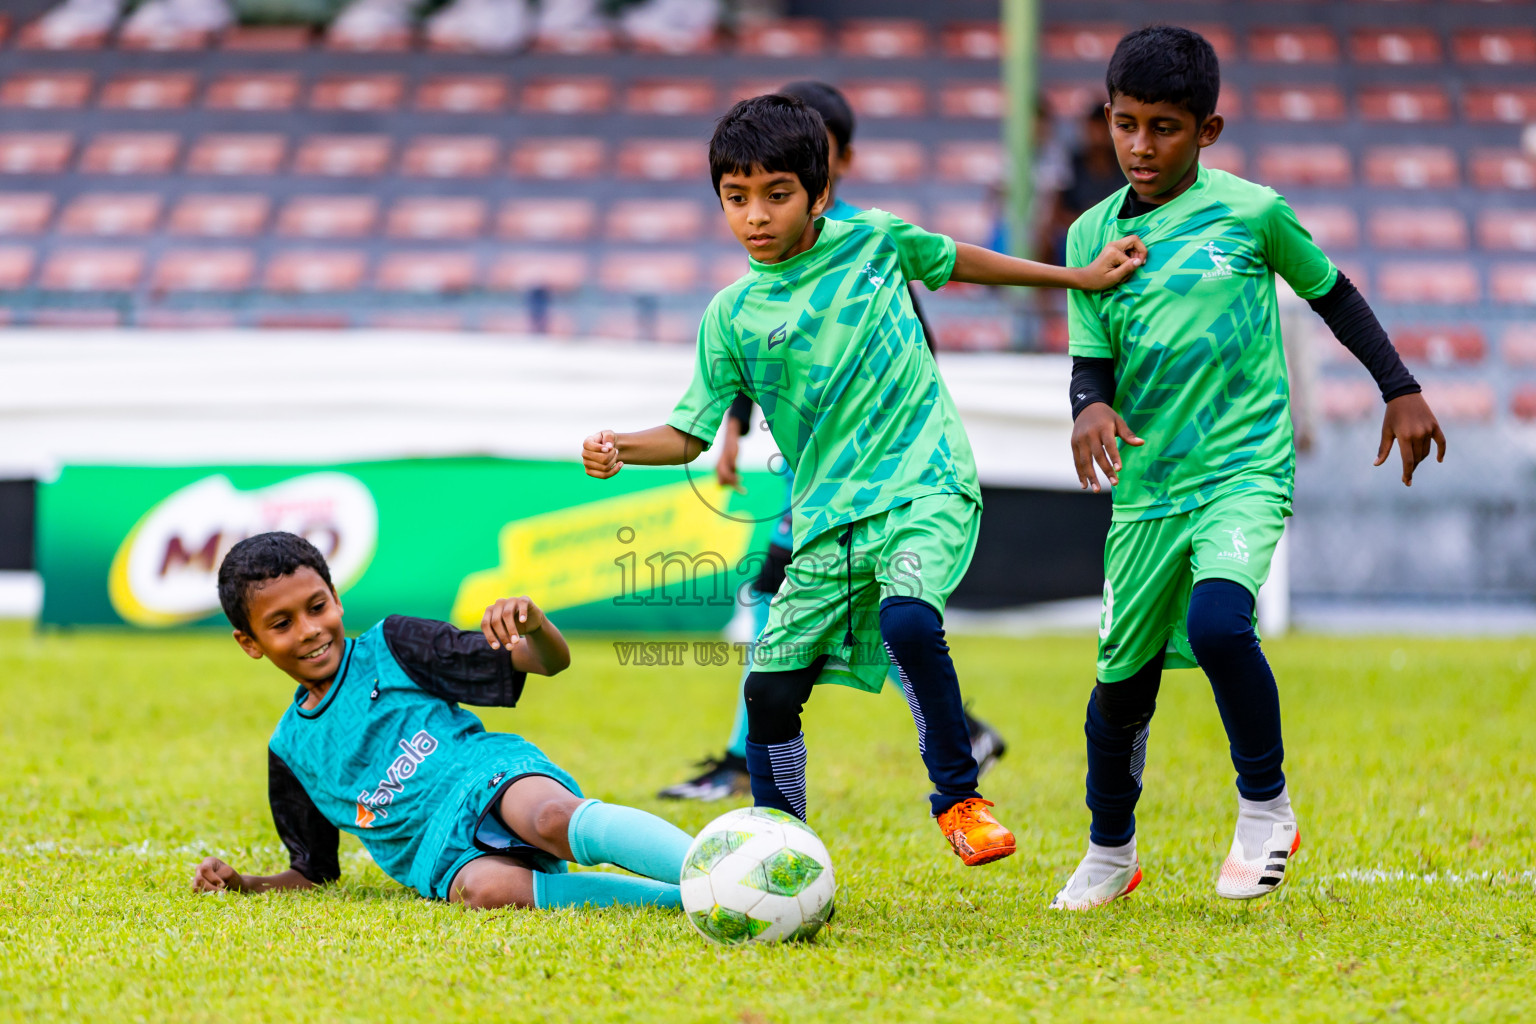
point(1195, 334)
point(828, 346)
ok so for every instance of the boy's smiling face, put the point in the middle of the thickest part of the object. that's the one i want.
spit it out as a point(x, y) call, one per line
point(1158, 144)
point(296, 623)
point(770, 213)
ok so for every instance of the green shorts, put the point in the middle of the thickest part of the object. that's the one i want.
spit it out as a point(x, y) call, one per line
point(831, 587)
point(1150, 567)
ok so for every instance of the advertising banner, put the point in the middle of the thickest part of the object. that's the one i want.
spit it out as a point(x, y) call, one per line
point(650, 549)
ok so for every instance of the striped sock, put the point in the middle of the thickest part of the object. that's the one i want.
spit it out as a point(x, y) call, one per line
point(778, 774)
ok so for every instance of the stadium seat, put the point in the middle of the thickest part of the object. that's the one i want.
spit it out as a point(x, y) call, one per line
point(131, 153)
point(1460, 401)
point(1418, 227)
point(979, 163)
point(186, 319)
point(908, 211)
point(204, 270)
point(1225, 156)
point(16, 262)
point(162, 38)
point(1441, 346)
point(76, 319)
point(794, 37)
point(1507, 104)
point(886, 38)
point(1495, 46)
point(32, 37)
point(568, 95)
point(672, 97)
point(1518, 346)
point(328, 217)
point(1219, 36)
point(1510, 230)
point(343, 156)
point(1429, 282)
point(450, 156)
point(363, 93)
point(1346, 400)
point(750, 87)
point(1071, 100)
point(35, 152)
point(1296, 44)
point(558, 158)
point(655, 220)
point(891, 98)
point(25, 213)
point(725, 268)
point(547, 220)
point(888, 160)
point(973, 334)
point(220, 216)
point(267, 38)
point(1395, 46)
point(1332, 227)
point(584, 41)
point(525, 271)
point(1523, 403)
point(463, 94)
point(1495, 169)
point(972, 40)
point(1405, 103)
point(1411, 167)
point(1317, 163)
point(47, 90)
point(455, 218)
point(1514, 283)
point(666, 159)
point(433, 272)
point(243, 154)
point(105, 214)
point(253, 90)
point(1093, 43)
point(648, 272)
point(418, 320)
point(92, 270)
point(308, 270)
point(971, 99)
point(1298, 103)
point(171, 90)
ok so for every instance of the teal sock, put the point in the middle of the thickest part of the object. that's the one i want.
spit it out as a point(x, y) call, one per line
point(600, 889)
point(633, 840)
point(737, 747)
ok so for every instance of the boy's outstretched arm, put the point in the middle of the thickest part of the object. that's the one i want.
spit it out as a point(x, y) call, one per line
point(1118, 261)
point(312, 842)
point(605, 452)
point(543, 651)
point(213, 875)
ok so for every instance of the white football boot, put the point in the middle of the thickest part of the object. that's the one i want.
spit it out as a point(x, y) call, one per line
point(1265, 840)
point(1104, 875)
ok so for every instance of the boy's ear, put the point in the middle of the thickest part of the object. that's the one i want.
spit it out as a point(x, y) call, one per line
point(819, 207)
point(1210, 131)
point(248, 644)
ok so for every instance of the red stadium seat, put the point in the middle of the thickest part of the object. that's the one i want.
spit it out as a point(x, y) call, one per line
point(696, 44)
point(1508, 104)
point(131, 153)
point(567, 95)
point(794, 37)
point(1405, 103)
point(1298, 103)
point(244, 154)
point(1503, 168)
point(220, 216)
point(581, 41)
point(1219, 36)
point(1514, 283)
point(162, 38)
point(170, 90)
point(1343, 400)
point(1510, 230)
point(1297, 44)
point(1411, 167)
point(76, 319)
point(365, 93)
point(35, 152)
point(672, 97)
point(1519, 345)
point(655, 220)
point(664, 159)
point(1461, 401)
point(99, 213)
point(1323, 164)
point(972, 40)
point(1093, 43)
point(1395, 46)
point(1225, 156)
point(974, 334)
point(343, 156)
point(47, 90)
point(912, 213)
point(1495, 46)
point(456, 218)
point(750, 87)
point(648, 272)
point(1429, 282)
point(547, 220)
point(267, 38)
point(726, 267)
point(889, 160)
point(24, 213)
point(1441, 346)
point(204, 270)
point(1523, 404)
point(450, 156)
point(886, 38)
point(328, 217)
point(463, 94)
point(433, 272)
point(32, 37)
point(93, 270)
point(418, 320)
point(307, 270)
point(185, 319)
point(971, 99)
point(890, 98)
point(980, 163)
point(252, 90)
point(1332, 227)
point(395, 40)
point(559, 158)
point(16, 262)
point(1418, 227)
point(1073, 99)
point(525, 271)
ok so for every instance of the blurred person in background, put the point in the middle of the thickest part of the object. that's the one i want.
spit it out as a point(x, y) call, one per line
point(1093, 174)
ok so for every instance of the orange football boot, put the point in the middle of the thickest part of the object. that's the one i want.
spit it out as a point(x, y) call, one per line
point(977, 837)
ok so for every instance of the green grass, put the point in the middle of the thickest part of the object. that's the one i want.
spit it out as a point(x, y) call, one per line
point(128, 757)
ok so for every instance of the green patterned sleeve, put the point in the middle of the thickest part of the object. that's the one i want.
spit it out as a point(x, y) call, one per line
point(717, 380)
point(1289, 248)
point(924, 255)
point(1087, 331)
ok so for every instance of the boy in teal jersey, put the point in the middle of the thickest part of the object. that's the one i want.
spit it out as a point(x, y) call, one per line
point(376, 744)
point(820, 332)
point(1184, 365)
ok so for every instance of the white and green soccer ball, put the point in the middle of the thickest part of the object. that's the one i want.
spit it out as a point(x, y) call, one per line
point(757, 875)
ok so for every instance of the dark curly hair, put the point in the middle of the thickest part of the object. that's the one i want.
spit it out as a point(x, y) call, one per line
point(254, 560)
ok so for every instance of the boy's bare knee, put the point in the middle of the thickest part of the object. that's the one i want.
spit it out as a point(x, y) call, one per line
point(552, 820)
point(492, 883)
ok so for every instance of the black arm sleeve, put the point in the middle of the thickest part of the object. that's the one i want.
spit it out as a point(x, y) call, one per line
point(1093, 380)
point(311, 840)
point(741, 412)
point(917, 308)
point(1352, 321)
point(455, 664)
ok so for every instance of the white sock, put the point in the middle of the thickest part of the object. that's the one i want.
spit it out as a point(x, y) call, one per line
point(1256, 820)
point(1103, 861)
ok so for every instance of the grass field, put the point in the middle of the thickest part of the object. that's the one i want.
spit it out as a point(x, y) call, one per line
point(1412, 764)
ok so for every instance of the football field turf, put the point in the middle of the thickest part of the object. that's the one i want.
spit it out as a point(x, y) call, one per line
point(1411, 762)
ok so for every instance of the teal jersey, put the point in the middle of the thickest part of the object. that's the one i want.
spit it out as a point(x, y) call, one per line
point(1195, 335)
point(840, 209)
point(828, 346)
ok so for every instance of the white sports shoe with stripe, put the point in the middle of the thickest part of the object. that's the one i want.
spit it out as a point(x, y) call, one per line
point(1082, 893)
point(1244, 878)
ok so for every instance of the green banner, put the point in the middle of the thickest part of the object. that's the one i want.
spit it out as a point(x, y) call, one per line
point(650, 549)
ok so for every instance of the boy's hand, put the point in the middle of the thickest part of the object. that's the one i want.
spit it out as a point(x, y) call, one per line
point(725, 466)
point(1409, 420)
point(510, 619)
point(1117, 262)
point(600, 454)
point(213, 875)
point(1093, 440)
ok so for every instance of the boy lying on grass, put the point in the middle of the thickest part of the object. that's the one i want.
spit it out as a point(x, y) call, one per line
point(375, 743)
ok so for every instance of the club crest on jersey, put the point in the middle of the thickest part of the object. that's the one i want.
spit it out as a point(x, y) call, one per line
point(1239, 552)
point(370, 806)
point(778, 335)
point(875, 277)
point(1219, 262)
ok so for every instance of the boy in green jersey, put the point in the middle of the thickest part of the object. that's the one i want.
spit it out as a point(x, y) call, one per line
point(1180, 397)
point(820, 332)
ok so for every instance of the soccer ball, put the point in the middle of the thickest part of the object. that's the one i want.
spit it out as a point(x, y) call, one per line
point(757, 875)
